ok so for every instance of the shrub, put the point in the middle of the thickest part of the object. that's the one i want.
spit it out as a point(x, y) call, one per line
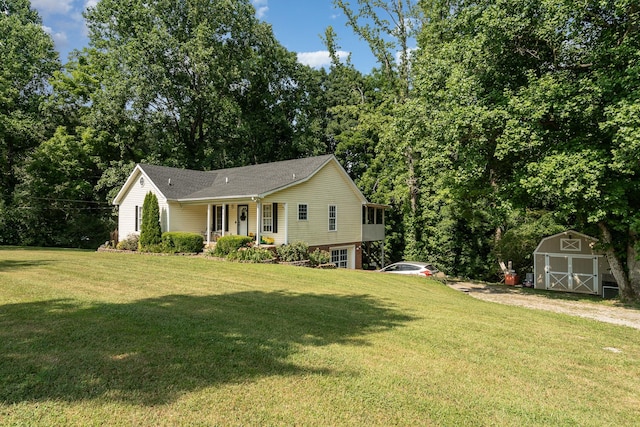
point(251, 255)
point(150, 231)
point(319, 257)
point(129, 244)
point(228, 244)
point(182, 242)
point(296, 251)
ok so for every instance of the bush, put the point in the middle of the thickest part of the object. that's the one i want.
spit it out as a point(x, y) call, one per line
point(229, 244)
point(296, 251)
point(251, 255)
point(150, 231)
point(129, 244)
point(319, 257)
point(182, 242)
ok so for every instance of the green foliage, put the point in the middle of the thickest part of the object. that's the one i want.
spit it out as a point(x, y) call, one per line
point(319, 257)
point(296, 251)
point(150, 231)
point(28, 60)
point(252, 254)
point(231, 243)
point(240, 84)
point(130, 243)
point(179, 242)
point(518, 243)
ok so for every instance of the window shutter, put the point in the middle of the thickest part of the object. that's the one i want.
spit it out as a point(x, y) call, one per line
point(136, 223)
point(275, 217)
point(226, 218)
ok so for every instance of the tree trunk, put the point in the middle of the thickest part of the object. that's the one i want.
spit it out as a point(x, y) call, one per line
point(633, 265)
point(627, 293)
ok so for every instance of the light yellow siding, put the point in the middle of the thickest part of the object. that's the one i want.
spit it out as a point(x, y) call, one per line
point(328, 187)
point(188, 218)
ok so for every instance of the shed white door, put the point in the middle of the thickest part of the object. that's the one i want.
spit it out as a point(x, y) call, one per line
point(571, 273)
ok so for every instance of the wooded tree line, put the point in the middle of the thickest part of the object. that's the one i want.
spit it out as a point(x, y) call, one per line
point(511, 120)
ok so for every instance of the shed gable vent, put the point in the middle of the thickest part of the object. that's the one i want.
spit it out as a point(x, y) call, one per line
point(570, 245)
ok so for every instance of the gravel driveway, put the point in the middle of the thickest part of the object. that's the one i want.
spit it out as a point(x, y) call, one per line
point(515, 296)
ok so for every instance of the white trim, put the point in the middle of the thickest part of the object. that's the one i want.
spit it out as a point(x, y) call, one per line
point(351, 254)
point(329, 217)
point(267, 208)
point(564, 254)
point(208, 223)
point(573, 279)
point(571, 245)
point(132, 181)
point(258, 221)
point(564, 233)
point(306, 211)
point(350, 182)
point(286, 223)
point(224, 218)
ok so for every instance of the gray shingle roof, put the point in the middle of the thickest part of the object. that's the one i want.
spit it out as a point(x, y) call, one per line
point(246, 181)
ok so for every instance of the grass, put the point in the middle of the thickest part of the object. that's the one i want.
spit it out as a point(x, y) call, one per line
point(101, 338)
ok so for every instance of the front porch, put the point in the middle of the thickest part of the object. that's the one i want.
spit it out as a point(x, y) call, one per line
point(246, 218)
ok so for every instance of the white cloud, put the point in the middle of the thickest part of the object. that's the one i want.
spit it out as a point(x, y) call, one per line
point(90, 3)
point(60, 38)
point(261, 6)
point(53, 7)
point(319, 58)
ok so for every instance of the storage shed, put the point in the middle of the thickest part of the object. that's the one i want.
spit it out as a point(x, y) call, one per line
point(568, 262)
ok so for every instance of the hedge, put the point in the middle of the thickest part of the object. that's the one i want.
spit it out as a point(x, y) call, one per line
point(228, 244)
point(174, 241)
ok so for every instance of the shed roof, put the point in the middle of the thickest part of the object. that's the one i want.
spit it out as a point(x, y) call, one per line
point(566, 233)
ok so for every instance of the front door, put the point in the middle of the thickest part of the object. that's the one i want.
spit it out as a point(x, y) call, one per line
point(243, 220)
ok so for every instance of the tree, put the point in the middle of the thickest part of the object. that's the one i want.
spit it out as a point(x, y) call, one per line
point(531, 105)
point(200, 84)
point(150, 231)
point(28, 60)
point(55, 195)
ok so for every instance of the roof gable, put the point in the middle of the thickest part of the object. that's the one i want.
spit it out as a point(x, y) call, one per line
point(241, 182)
point(566, 233)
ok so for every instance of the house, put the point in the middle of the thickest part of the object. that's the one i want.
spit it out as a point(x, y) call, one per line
point(570, 262)
point(311, 200)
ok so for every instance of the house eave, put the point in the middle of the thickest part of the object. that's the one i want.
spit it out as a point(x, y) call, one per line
point(215, 199)
point(130, 182)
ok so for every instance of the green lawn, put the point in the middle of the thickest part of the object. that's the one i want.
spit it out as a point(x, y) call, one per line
point(92, 338)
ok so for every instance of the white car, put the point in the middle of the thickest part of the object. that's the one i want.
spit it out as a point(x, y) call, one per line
point(410, 267)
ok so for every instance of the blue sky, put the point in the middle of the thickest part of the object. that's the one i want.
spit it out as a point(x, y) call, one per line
point(297, 24)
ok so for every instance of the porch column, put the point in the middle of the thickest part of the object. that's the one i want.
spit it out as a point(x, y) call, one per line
point(286, 223)
point(168, 217)
point(224, 217)
point(208, 223)
point(258, 220)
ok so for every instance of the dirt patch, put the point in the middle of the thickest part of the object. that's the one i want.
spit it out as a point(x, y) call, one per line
point(516, 296)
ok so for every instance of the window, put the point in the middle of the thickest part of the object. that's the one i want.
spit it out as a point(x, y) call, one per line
point(371, 213)
point(379, 216)
point(333, 217)
point(339, 257)
point(217, 218)
point(138, 224)
point(303, 212)
point(267, 218)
